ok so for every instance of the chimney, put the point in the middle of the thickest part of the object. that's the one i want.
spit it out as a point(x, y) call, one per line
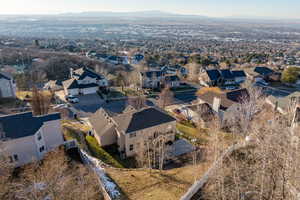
point(71, 72)
point(216, 104)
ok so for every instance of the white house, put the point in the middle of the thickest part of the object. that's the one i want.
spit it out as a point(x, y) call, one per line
point(7, 86)
point(25, 138)
point(84, 81)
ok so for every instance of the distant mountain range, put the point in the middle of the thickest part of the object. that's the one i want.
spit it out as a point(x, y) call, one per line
point(150, 13)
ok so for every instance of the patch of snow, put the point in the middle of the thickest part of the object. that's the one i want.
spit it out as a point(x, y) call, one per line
point(109, 185)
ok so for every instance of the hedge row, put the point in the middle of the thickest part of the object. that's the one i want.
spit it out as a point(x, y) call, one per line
point(100, 153)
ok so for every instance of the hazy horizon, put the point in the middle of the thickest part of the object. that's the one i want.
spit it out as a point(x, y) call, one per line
point(274, 9)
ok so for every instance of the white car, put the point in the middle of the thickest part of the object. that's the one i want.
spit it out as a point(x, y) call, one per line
point(72, 99)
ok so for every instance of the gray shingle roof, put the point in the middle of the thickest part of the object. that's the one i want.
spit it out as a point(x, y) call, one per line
point(84, 72)
point(130, 121)
point(239, 73)
point(213, 74)
point(5, 76)
point(73, 84)
point(24, 124)
point(263, 71)
point(146, 118)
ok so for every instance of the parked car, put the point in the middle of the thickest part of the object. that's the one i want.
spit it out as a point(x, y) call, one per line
point(72, 99)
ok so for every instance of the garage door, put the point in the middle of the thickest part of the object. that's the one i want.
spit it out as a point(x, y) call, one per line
point(90, 90)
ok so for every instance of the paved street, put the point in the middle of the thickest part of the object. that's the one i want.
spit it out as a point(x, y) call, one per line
point(186, 97)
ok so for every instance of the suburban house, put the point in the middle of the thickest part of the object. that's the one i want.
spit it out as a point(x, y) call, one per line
point(136, 59)
point(172, 81)
point(84, 81)
point(25, 138)
point(152, 79)
point(176, 69)
point(283, 104)
point(158, 79)
point(131, 128)
point(7, 86)
point(266, 74)
point(53, 85)
point(239, 76)
point(222, 78)
point(225, 103)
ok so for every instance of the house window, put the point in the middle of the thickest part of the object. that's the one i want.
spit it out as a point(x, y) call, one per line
point(132, 135)
point(42, 148)
point(16, 158)
point(39, 136)
point(131, 147)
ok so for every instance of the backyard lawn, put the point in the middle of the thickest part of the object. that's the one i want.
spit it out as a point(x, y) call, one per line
point(166, 185)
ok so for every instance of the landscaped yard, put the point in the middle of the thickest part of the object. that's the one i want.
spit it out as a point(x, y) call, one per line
point(167, 185)
point(189, 132)
point(28, 94)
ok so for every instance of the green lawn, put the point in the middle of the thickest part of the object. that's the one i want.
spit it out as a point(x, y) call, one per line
point(113, 151)
point(100, 153)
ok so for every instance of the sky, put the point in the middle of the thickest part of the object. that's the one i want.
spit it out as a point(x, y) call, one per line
point(212, 8)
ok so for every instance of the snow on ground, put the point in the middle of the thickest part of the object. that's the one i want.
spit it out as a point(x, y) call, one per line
point(109, 185)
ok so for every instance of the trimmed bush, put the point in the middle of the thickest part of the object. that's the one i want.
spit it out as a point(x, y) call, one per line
point(100, 153)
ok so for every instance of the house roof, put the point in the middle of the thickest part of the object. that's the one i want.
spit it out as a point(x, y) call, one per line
point(130, 121)
point(139, 120)
point(239, 73)
point(24, 124)
point(226, 74)
point(100, 121)
point(227, 99)
point(73, 84)
point(172, 78)
point(213, 74)
point(70, 84)
point(263, 71)
point(83, 72)
point(5, 76)
point(150, 74)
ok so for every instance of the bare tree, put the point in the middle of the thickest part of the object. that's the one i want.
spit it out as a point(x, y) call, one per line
point(269, 169)
point(137, 102)
point(40, 102)
point(166, 97)
point(54, 178)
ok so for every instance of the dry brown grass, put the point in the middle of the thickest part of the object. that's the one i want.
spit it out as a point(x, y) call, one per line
point(167, 185)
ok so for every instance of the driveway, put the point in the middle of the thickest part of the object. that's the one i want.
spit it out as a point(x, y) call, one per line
point(89, 103)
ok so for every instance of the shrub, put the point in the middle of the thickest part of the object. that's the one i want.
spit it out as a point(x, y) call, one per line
point(100, 153)
point(290, 75)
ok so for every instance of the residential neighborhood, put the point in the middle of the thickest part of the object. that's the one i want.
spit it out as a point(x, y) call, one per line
point(149, 105)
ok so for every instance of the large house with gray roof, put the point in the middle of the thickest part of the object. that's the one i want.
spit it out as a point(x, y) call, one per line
point(7, 86)
point(84, 81)
point(224, 104)
point(222, 78)
point(132, 127)
point(25, 138)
